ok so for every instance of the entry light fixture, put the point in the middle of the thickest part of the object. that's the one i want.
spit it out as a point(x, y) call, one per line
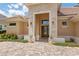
point(30, 23)
point(52, 22)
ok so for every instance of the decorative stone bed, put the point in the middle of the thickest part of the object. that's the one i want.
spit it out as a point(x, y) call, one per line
point(35, 49)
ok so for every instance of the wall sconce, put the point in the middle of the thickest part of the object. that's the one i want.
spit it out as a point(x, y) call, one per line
point(30, 23)
point(52, 22)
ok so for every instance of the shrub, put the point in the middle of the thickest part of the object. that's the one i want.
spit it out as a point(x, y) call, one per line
point(13, 36)
point(3, 31)
point(3, 36)
point(8, 36)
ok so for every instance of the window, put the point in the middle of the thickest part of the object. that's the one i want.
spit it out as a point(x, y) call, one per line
point(4, 27)
point(64, 23)
point(12, 24)
point(45, 22)
point(0, 27)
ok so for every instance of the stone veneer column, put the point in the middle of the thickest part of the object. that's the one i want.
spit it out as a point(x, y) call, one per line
point(52, 26)
point(30, 30)
point(33, 28)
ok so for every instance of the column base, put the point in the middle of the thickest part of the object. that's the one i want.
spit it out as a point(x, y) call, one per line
point(50, 40)
point(37, 37)
point(31, 40)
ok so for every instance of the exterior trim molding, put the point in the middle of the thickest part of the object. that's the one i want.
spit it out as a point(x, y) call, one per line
point(40, 12)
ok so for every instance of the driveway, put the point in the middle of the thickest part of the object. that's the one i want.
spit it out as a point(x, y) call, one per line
point(35, 49)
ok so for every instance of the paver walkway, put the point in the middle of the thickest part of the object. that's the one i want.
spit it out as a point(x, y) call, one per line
point(35, 49)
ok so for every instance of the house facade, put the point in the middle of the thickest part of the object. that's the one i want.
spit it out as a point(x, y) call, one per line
point(42, 21)
point(70, 30)
point(14, 25)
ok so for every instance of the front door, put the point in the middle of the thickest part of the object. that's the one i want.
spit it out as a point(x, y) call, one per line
point(45, 28)
point(45, 31)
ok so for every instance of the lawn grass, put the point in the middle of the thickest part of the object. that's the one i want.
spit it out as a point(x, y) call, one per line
point(16, 40)
point(70, 44)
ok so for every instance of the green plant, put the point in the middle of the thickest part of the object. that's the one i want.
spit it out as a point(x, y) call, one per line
point(2, 31)
point(23, 41)
point(8, 36)
point(13, 36)
point(70, 44)
point(3, 36)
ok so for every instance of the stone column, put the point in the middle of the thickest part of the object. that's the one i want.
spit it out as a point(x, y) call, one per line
point(52, 26)
point(33, 28)
point(30, 30)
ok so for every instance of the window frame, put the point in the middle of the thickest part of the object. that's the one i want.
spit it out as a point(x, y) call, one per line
point(43, 21)
point(65, 25)
point(12, 24)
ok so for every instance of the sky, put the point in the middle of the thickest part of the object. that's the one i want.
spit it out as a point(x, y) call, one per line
point(66, 5)
point(12, 9)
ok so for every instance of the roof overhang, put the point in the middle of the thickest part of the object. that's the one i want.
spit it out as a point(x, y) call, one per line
point(30, 4)
point(16, 19)
point(64, 17)
point(75, 18)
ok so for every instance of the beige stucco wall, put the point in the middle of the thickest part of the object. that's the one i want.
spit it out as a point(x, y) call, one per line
point(22, 28)
point(41, 8)
point(11, 29)
point(77, 29)
point(19, 29)
point(69, 30)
